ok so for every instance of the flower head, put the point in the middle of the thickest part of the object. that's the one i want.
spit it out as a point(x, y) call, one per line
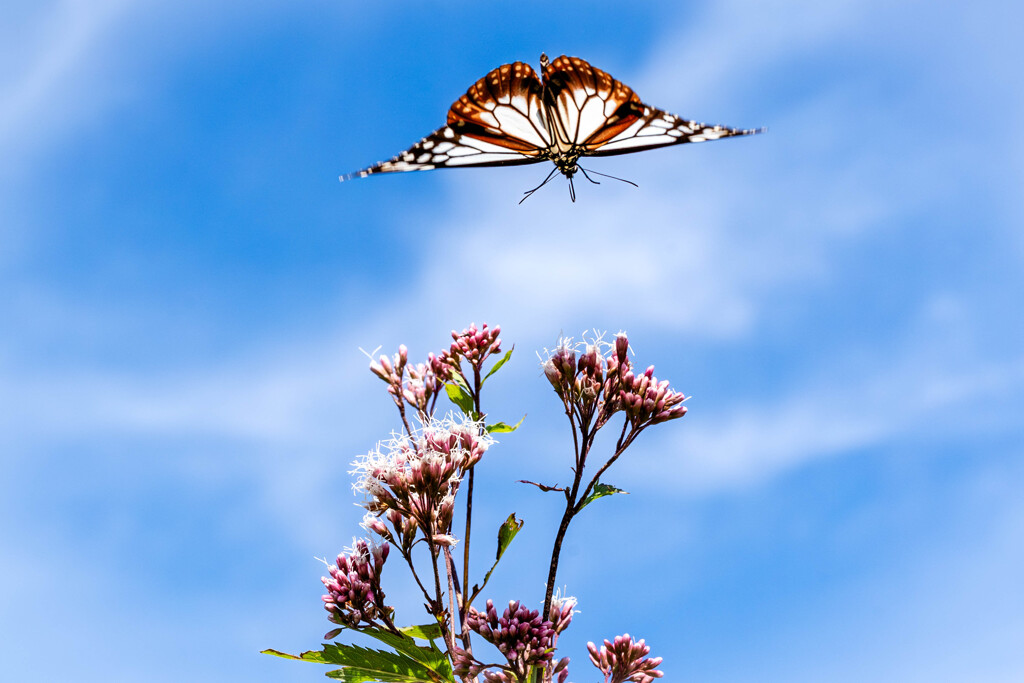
point(473, 345)
point(624, 660)
point(411, 480)
point(562, 609)
point(520, 634)
point(525, 639)
point(354, 595)
point(423, 383)
point(595, 379)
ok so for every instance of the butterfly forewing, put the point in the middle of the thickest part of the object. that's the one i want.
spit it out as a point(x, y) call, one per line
point(498, 122)
point(586, 105)
point(603, 116)
point(505, 108)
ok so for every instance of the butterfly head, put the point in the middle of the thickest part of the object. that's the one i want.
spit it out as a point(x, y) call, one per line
point(566, 163)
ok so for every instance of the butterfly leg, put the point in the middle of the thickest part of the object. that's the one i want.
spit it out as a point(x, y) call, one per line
point(587, 176)
point(530, 192)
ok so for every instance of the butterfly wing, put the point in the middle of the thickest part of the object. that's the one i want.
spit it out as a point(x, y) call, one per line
point(498, 122)
point(586, 106)
point(504, 109)
point(604, 117)
point(655, 128)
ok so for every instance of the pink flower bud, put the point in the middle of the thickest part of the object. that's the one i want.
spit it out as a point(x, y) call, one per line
point(446, 540)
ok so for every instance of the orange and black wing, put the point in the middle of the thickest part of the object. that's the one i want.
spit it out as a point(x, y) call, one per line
point(604, 117)
point(498, 122)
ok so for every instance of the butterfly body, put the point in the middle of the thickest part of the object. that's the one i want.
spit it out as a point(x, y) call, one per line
point(511, 117)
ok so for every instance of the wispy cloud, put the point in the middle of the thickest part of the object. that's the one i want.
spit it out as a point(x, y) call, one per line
point(54, 73)
point(272, 396)
point(922, 395)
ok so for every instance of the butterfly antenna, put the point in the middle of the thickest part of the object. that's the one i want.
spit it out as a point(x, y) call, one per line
point(605, 175)
point(530, 192)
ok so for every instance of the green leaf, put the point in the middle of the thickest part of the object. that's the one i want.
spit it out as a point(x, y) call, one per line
point(506, 533)
point(460, 397)
point(361, 664)
point(354, 674)
point(460, 380)
point(497, 366)
point(501, 427)
point(426, 632)
point(428, 656)
point(600, 491)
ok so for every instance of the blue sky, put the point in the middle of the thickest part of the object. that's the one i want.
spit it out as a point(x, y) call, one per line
point(187, 286)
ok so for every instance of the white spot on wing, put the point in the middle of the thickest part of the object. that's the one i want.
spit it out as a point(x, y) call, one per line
point(592, 118)
point(514, 124)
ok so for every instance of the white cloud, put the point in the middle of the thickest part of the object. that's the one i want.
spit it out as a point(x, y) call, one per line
point(737, 42)
point(278, 395)
point(926, 395)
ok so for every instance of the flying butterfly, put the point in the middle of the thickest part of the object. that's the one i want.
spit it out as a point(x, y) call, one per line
point(510, 117)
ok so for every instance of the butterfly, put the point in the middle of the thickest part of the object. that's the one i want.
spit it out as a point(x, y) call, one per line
point(511, 117)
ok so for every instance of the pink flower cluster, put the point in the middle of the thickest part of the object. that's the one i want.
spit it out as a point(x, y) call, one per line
point(425, 379)
point(523, 637)
point(624, 660)
point(418, 384)
point(599, 382)
point(472, 345)
point(354, 595)
point(411, 480)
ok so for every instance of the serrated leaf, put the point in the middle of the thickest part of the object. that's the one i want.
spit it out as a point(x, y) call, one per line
point(501, 427)
point(361, 664)
point(428, 656)
point(460, 397)
point(425, 632)
point(600, 491)
point(497, 366)
point(354, 674)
